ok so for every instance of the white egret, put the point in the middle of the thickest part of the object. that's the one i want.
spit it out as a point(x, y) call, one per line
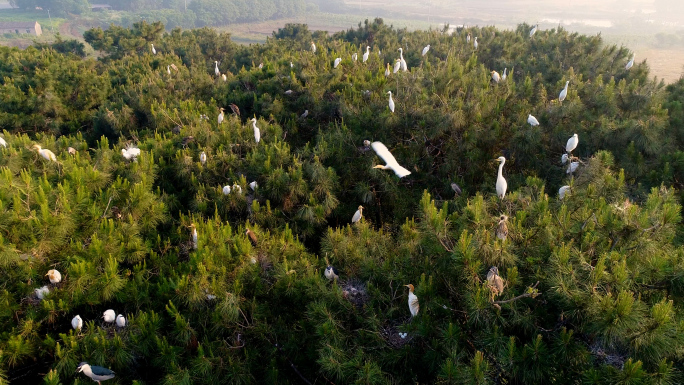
point(257, 132)
point(288, 92)
point(387, 73)
point(475, 43)
point(77, 322)
point(194, 236)
point(532, 120)
point(425, 50)
point(168, 70)
point(412, 301)
point(130, 152)
point(71, 151)
point(397, 66)
point(54, 276)
point(220, 116)
point(357, 215)
point(456, 188)
point(404, 67)
point(41, 292)
point(562, 191)
point(366, 143)
point(109, 316)
point(355, 56)
point(224, 77)
point(216, 70)
point(313, 47)
point(503, 76)
point(237, 189)
point(96, 373)
point(501, 184)
point(563, 93)
point(534, 30)
point(120, 321)
point(252, 237)
point(45, 153)
point(337, 62)
point(391, 102)
point(391, 163)
point(226, 190)
point(572, 143)
point(495, 76)
point(630, 63)
point(331, 273)
point(253, 185)
point(3, 143)
point(572, 167)
point(154, 51)
point(468, 39)
point(261, 65)
point(502, 228)
point(564, 159)
point(365, 55)
point(291, 65)
point(203, 158)
point(305, 114)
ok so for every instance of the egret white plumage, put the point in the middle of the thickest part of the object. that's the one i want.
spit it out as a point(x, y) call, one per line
point(41, 292)
point(412, 301)
point(475, 45)
point(564, 158)
point(387, 73)
point(130, 152)
point(261, 65)
point(501, 184)
point(630, 63)
point(404, 67)
point(494, 281)
point(495, 76)
point(216, 69)
point(391, 163)
point(71, 151)
point(174, 67)
point(562, 191)
point(572, 167)
point(456, 188)
point(337, 62)
point(503, 76)
point(77, 322)
point(54, 276)
point(391, 102)
point(3, 143)
point(253, 185)
point(226, 190)
point(120, 321)
point(572, 143)
point(305, 114)
point(425, 50)
point(355, 56)
point(534, 30)
point(168, 70)
point(109, 316)
point(357, 215)
point(257, 132)
point(203, 158)
point(288, 92)
point(224, 78)
point(331, 273)
point(154, 51)
point(502, 228)
point(220, 116)
point(45, 153)
point(96, 373)
point(313, 47)
point(193, 236)
point(397, 66)
point(563, 92)
point(237, 189)
point(365, 55)
point(366, 143)
point(532, 120)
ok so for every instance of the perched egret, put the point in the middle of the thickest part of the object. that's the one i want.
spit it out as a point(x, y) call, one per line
point(154, 51)
point(404, 67)
point(216, 70)
point(391, 102)
point(495, 76)
point(425, 50)
point(494, 281)
point(397, 66)
point(313, 47)
point(253, 185)
point(41, 292)
point(534, 30)
point(54, 275)
point(331, 273)
point(572, 167)
point(532, 120)
point(563, 93)
point(291, 65)
point(456, 188)
point(365, 55)
point(572, 143)
point(564, 159)
point(109, 316)
point(194, 236)
point(337, 62)
point(387, 73)
point(630, 63)
point(203, 158)
point(77, 322)
point(502, 228)
point(45, 153)
point(468, 39)
point(96, 373)
point(257, 132)
point(501, 184)
point(412, 301)
point(503, 76)
point(355, 56)
point(252, 237)
point(237, 189)
point(120, 321)
point(3, 143)
point(475, 43)
point(224, 77)
point(71, 151)
point(391, 163)
point(168, 70)
point(288, 92)
point(226, 190)
point(562, 191)
point(357, 215)
point(305, 114)
point(130, 152)
point(261, 65)
point(220, 116)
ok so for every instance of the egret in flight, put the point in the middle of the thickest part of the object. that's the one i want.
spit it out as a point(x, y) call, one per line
point(532, 120)
point(45, 153)
point(425, 50)
point(630, 63)
point(257, 132)
point(357, 215)
point(563, 93)
point(495, 76)
point(365, 55)
point(412, 301)
point(572, 143)
point(391, 163)
point(391, 102)
point(501, 184)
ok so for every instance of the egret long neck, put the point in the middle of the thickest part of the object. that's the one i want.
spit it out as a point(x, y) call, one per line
point(501, 169)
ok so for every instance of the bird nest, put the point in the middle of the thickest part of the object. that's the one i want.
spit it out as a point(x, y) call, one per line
point(395, 338)
point(355, 292)
point(608, 356)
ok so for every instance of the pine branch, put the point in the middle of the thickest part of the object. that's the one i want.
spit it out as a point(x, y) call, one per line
point(531, 292)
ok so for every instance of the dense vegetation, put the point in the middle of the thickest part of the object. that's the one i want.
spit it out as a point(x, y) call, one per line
point(594, 282)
